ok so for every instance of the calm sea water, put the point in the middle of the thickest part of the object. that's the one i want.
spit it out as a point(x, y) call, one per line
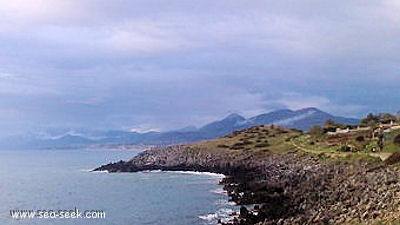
point(59, 180)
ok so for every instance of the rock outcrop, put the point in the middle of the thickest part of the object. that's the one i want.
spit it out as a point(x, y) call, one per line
point(291, 187)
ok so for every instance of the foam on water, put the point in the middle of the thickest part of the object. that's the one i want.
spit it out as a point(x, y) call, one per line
point(219, 191)
point(101, 171)
point(225, 202)
point(209, 217)
point(217, 175)
point(223, 214)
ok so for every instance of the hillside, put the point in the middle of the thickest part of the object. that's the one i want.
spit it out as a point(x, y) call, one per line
point(287, 183)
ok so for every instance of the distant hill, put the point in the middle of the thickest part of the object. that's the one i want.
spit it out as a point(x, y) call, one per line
point(225, 126)
point(301, 119)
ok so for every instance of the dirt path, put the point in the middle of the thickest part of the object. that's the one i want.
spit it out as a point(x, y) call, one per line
point(308, 150)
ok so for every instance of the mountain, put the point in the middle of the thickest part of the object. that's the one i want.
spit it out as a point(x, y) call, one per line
point(220, 128)
point(188, 129)
point(301, 119)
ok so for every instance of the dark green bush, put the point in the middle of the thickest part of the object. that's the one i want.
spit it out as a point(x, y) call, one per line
point(344, 148)
point(262, 145)
point(360, 138)
point(396, 140)
point(222, 146)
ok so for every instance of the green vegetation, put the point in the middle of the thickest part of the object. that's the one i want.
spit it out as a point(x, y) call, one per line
point(361, 157)
point(396, 140)
point(372, 120)
point(360, 138)
point(316, 131)
point(331, 126)
point(372, 146)
point(372, 150)
point(374, 134)
point(330, 141)
point(335, 140)
point(258, 139)
point(391, 141)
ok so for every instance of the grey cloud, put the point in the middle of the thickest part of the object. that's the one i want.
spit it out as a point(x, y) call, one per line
point(133, 64)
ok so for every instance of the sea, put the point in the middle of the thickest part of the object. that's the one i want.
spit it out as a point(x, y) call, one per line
point(52, 181)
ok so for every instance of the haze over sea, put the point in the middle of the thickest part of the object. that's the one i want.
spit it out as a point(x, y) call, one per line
point(59, 180)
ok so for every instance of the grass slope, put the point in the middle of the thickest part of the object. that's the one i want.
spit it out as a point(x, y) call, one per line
point(257, 139)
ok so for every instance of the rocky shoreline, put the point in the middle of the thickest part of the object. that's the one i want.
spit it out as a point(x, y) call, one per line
point(289, 187)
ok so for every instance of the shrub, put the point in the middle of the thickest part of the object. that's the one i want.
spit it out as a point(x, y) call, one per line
point(396, 140)
point(373, 146)
point(316, 131)
point(237, 146)
point(344, 148)
point(222, 146)
point(262, 145)
point(240, 145)
point(247, 142)
point(360, 138)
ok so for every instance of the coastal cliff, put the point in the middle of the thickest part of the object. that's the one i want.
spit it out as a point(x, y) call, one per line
point(179, 157)
point(288, 186)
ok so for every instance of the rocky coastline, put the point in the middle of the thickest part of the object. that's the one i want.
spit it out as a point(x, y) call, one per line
point(291, 187)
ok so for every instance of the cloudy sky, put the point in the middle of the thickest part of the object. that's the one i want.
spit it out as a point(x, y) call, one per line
point(158, 64)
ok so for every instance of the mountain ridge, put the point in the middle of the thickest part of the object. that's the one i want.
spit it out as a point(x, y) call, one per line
point(301, 119)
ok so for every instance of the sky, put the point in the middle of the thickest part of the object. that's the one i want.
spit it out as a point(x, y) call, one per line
point(161, 65)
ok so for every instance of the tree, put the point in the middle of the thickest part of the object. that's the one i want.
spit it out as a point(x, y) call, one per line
point(330, 123)
point(331, 126)
point(370, 121)
point(373, 124)
point(316, 131)
point(398, 116)
point(360, 138)
point(386, 118)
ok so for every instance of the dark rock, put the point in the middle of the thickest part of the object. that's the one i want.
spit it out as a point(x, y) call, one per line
point(244, 213)
point(289, 187)
point(393, 158)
